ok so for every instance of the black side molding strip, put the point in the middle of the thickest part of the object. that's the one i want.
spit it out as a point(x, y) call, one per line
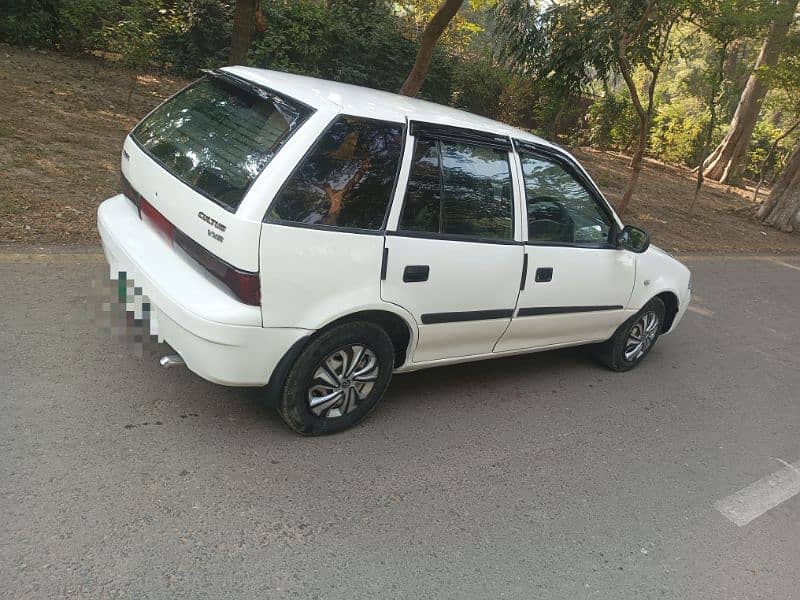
point(524, 271)
point(560, 310)
point(468, 315)
point(384, 263)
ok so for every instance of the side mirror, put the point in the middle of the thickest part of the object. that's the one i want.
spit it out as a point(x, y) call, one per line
point(633, 239)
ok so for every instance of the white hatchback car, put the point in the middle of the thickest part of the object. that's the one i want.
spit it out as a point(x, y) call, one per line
point(314, 237)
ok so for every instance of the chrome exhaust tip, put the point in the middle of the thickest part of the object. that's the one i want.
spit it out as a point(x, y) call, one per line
point(171, 360)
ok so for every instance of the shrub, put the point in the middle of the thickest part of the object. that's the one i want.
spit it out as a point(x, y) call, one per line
point(29, 22)
point(612, 121)
point(678, 130)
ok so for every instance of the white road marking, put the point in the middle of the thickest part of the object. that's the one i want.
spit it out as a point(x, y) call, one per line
point(785, 264)
point(757, 498)
point(700, 310)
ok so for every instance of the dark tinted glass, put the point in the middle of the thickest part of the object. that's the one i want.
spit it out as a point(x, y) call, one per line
point(423, 194)
point(347, 179)
point(560, 209)
point(217, 137)
point(469, 194)
point(477, 191)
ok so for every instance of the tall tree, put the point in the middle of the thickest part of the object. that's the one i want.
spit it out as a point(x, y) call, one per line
point(433, 31)
point(243, 25)
point(782, 207)
point(726, 164)
point(726, 23)
point(573, 42)
point(650, 40)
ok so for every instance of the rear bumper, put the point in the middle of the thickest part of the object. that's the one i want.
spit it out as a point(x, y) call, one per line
point(220, 338)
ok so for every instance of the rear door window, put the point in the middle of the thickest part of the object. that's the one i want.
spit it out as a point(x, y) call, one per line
point(346, 181)
point(459, 189)
point(218, 134)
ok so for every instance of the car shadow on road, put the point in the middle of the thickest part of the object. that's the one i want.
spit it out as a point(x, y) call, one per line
point(230, 407)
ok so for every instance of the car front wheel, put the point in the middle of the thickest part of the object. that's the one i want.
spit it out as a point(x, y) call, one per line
point(634, 339)
point(337, 379)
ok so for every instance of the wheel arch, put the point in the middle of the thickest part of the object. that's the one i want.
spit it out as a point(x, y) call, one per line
point(398, 328)
point(671, 306)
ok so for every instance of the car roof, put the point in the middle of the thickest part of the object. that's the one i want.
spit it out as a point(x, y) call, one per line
point(367, 102)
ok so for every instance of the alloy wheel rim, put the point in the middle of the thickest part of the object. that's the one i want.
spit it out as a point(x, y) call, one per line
point(641, 336)
point(342, 380)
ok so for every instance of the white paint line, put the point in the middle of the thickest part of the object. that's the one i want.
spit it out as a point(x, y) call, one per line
point(757, 498)
point(700, 310)
point(785, 264)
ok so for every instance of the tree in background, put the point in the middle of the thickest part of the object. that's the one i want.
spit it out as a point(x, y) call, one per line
point(433, 31)
point(243, 25)
point(782, 207)
point(647, 44)
point(247, 17)
point(724, 22)
point(726, 164)
point(575, 42)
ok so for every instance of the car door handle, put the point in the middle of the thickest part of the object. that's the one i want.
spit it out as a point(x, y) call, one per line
point(414, 273)
point(544, 274)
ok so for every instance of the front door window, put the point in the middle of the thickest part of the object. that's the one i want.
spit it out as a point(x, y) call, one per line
point(560, 209)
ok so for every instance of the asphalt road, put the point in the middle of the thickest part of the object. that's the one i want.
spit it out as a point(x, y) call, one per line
point(542, 476)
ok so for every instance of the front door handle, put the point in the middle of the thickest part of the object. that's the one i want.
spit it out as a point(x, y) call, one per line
point(413, 273)
point(544, 274)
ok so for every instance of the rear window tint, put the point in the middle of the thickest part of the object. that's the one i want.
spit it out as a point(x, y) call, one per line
point(217, 136)
point(460, 189)
point(347, 179)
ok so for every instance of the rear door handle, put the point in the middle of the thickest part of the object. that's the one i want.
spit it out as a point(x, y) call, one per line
point(544, 274)
point(413, 273)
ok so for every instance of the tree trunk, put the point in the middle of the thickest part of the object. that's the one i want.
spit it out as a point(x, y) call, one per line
point(433, 31)
point(714, 97)
point(770, 152)
point(243, 22)
point(636, 166)
point(726, 164)
point(782, 207)
point(645, 118)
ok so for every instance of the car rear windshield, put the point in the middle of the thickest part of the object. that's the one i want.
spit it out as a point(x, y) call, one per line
point(218, 134)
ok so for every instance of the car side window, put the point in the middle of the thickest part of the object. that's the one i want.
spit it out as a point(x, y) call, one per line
point(461, 189)
point(347, 178)
point(560, 209)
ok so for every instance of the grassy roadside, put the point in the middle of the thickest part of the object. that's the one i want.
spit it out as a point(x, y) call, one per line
point(64, 119)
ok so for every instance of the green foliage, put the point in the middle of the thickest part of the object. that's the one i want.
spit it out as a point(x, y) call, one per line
point(29, 22)
point(194, 34)
point(362, 45)
point(613, 121)
point(678, 127)
point(132, 36)
point(80, 23)
point(547, 66)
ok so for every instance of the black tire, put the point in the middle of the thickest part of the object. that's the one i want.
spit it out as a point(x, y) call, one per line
point(612, 352)
point(294, 402)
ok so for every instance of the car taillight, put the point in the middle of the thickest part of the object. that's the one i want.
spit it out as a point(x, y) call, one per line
point(147, 211)
point(130, 193)
point(245, 285)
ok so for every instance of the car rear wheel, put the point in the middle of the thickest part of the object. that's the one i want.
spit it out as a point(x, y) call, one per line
point(338, 379)
point(634, 339)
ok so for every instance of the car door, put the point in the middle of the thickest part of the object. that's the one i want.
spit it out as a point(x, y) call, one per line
point(451, 257)
point(577, 283)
